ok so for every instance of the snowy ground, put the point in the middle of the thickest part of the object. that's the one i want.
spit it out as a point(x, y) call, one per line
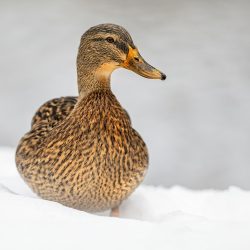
point(152, 218)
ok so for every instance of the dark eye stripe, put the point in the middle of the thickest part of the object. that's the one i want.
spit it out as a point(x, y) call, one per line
point(97, 39)
point(120, 45)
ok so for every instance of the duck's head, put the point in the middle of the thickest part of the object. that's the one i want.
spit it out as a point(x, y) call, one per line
point(104, 48)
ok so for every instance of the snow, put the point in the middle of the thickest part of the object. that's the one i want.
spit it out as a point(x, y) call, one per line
point(152, 218)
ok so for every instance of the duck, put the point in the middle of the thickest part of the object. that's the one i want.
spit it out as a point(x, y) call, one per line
point(82, 151)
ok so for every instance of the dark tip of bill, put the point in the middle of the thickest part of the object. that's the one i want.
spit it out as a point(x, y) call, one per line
point(163, 76)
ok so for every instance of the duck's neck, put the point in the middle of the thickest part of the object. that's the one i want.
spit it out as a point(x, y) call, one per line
point(91, 78)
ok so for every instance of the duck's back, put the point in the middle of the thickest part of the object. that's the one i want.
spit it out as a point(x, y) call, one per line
point(86, 155)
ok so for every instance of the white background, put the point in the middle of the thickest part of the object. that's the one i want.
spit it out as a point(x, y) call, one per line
point(196, 124)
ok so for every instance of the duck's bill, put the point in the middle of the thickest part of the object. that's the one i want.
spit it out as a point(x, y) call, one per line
point(136, 63)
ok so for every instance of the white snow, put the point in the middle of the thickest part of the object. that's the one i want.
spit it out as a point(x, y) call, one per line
point(152, 218)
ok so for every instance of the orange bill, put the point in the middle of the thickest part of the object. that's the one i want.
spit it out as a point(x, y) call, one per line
point(136, 63)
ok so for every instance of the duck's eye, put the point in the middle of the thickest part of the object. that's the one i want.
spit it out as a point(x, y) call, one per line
point(110, 39)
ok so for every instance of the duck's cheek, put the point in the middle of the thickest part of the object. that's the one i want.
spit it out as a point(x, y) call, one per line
point(123, 58)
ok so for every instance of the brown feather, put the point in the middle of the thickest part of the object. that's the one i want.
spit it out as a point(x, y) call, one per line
point(82, 151)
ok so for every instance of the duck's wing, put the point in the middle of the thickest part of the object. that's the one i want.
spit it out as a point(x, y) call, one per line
point(54, 111)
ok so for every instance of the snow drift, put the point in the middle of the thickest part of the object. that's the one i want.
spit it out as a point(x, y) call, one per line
point(152, 218)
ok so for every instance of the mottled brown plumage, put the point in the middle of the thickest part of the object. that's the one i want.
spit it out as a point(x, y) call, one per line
point(82, 151)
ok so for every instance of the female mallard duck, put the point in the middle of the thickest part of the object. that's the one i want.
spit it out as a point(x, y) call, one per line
point(82, 151)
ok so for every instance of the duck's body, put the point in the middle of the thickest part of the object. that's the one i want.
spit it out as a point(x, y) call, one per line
point(90, 159)
point(83, 152)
